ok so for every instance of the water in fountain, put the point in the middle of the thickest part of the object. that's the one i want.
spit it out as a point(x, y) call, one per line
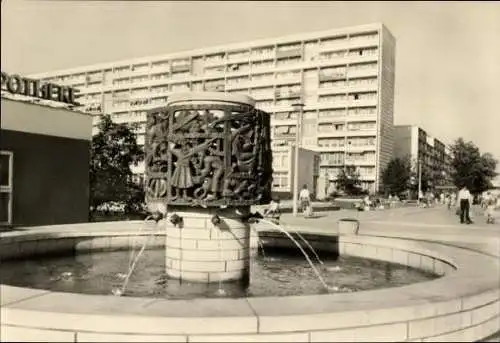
point(259, 241)
point(309, 246)
point(134, 243)
point(134, 258)
point(318, 275)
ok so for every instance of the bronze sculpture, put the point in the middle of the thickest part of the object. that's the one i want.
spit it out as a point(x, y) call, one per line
point(214, 155)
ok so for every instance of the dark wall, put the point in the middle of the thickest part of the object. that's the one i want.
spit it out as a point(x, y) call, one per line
point(51, 178)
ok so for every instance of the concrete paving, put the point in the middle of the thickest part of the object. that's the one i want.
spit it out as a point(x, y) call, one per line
point(437, 223)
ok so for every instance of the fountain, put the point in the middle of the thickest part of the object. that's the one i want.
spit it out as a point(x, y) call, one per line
point(208, 159)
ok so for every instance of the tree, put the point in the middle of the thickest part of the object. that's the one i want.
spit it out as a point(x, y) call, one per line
point(348, 180)
point(113, 150)
point(397, 176)
point(470, 168)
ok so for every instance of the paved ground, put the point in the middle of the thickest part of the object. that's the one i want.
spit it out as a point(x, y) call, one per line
point(416, 223)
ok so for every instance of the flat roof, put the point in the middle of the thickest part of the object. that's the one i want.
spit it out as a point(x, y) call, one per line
point(42, 102)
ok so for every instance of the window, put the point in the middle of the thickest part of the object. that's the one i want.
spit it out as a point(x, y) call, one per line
point(332, 113)
point(333, 40)
point(159, 64)
point(280, 180)
point(139, 79)
point(6, 169)
point(140, 67)
point(262, 65)
point(238, 54)
point(331, 142)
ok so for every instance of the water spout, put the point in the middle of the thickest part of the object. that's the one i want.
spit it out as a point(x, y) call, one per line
point(259, 241)
point(310, 247)
point(134, 259)
point(320, 278)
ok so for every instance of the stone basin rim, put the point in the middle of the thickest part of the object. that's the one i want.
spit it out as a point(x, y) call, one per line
point(289, 306)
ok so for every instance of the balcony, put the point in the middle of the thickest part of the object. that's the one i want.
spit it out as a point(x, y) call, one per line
point(263, 56)
point(331, 148)
point(214, 71)
point(237, 59)
point(215, 62)
point(332, 77)
point(140, 95)
point(341, 89)
point(292, 79)
point(362, 102)
point(261, 82)
point(215, 88)
point(372, 71)
point(263, 96)
point(296, 52)
point(372, 41)
point(332, 133)
point(333, 163)
point(361, 148)
point(181, 68)
point(280, 122)
point(356, 58)
point(362, 133)
point(332, 119)
point(287, 94)
point(361, 117)
point(238, 85)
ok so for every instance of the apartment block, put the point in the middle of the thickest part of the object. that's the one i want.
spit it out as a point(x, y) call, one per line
point(434, 156)
point(344, 77)
point(284, 169)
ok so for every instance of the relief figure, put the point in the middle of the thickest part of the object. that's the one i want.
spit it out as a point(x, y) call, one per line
point(182, 177)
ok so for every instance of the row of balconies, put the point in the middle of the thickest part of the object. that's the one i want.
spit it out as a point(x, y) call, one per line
point(271, 53)
point(287, 79)
point(185, 65)
point(271, 107)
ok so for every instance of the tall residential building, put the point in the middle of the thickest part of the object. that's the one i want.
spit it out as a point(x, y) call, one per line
point(434, 156)
point(345, 78)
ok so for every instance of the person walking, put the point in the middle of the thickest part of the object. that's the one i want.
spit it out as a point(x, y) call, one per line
point(465, 200)
point(305, 200)
point(490, 208)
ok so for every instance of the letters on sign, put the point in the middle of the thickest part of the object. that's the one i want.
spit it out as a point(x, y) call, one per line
point(16, 84)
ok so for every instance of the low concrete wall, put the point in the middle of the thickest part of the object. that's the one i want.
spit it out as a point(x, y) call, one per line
point(463, 305)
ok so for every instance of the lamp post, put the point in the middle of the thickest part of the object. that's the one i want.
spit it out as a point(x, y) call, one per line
point(297, 106)
point(419, 179)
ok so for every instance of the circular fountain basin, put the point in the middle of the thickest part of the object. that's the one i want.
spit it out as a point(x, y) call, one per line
point(273, 274)
point(461, 305)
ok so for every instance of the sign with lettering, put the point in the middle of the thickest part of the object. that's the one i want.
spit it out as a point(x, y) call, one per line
point(16, 84)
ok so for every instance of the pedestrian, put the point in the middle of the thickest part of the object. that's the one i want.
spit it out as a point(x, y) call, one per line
point(305, 200)
point(490, 208)
point(448, 201)
point(453, 198)
point(465, 200)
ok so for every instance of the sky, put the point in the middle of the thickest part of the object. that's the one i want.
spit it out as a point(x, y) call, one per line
point(447, 53)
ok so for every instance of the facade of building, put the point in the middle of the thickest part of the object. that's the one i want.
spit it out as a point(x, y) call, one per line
point(344, 77)
point(434, 156)
point(284, 169)
point(44, 164)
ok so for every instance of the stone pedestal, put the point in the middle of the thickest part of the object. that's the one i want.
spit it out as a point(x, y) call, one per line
point(198, 250)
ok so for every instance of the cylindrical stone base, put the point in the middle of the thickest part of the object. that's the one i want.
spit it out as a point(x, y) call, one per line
point(198, 250)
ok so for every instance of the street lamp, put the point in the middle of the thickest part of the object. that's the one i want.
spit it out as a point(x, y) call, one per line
point(419, 179)
point(300, 107)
